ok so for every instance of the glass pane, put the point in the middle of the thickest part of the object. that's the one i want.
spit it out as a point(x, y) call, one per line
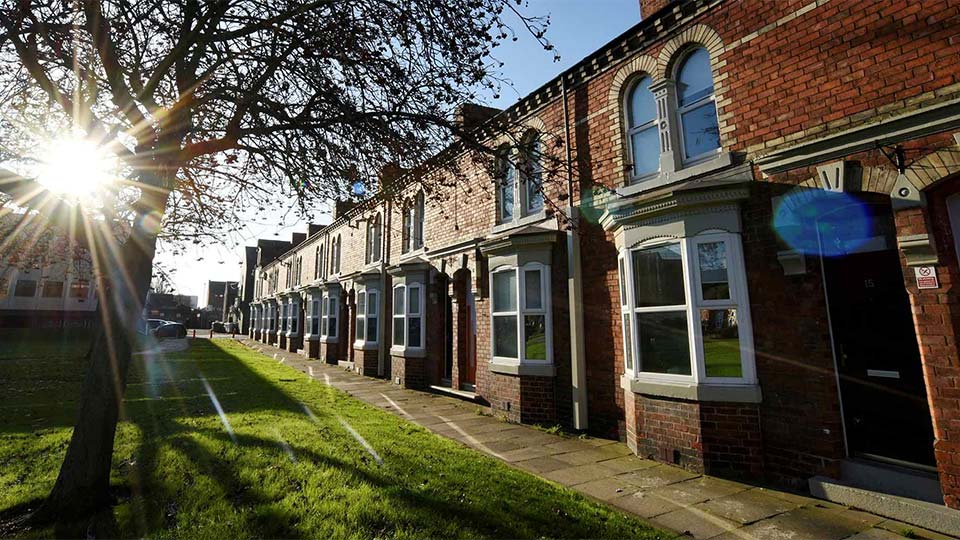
point(658, 276)
point(360, 328)
point(535, 337)
point(398, 331)
point(627, 342)
point(721, 342)
point(505, 336)
point(332, 327)
point(371, 303)
point(643, 108)
point(505, 291)
point(701, 134)
point(414, 304)
point(316, 304)
point(361, 303)
point(623, 290)
point(714, 282)
point(645, 146)
point(315, 326)
point(413, 332)
point(398, 301)
point(333, 307)
point(533, 298)
point(664, 346)
point(506, 192)
point(372, 329)
point(695, 80)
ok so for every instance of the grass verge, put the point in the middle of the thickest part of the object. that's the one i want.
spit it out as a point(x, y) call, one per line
point(279, 462)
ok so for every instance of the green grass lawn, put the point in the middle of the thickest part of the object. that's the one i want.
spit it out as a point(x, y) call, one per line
point(290, 467)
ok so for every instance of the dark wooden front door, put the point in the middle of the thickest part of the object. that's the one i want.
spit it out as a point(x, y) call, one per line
point(878, 360)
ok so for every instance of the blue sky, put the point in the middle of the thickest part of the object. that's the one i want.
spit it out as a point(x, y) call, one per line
point(578, 27)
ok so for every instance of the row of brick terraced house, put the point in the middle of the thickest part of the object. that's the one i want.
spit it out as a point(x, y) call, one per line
point(760, 276)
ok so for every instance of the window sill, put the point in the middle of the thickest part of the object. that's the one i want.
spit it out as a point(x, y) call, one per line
point(329, 339)
point(365, 346)
point(408, 352)
point(311, 337)
point(413, 254)
point(746, 393)
point(520, 222)
point(523, 370)
point(647, 183)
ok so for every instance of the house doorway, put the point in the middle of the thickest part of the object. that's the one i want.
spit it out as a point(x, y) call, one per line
point(884, 400)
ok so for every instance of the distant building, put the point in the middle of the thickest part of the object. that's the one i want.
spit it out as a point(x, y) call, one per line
point(48, 284)
point(170, 307)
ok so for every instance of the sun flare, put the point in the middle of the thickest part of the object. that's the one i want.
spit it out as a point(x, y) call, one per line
point(76, 167)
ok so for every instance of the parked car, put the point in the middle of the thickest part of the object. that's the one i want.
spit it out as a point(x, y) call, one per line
point(231, 327)
point(171, 330)
point(217, 326)
point(147, 326)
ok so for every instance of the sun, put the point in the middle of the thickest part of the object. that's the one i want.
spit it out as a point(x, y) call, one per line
point(76, 167)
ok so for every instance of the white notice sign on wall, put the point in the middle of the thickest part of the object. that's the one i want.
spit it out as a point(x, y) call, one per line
point(926, 277)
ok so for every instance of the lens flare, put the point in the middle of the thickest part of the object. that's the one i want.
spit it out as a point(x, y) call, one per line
point(76, 167)
point(814, 222)
point(216, 405)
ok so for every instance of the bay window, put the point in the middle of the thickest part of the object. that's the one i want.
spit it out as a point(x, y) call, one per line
point(283, 317)
point(331, 306)
point(367, 316)
point(685, 311)
point(315, 316)
point(408, 317)
point(520, 314)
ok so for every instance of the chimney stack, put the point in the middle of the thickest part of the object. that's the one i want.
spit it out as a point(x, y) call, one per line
point(649, 7)
point(471, 115)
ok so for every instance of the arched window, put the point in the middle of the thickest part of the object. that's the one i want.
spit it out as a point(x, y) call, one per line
point(642, 132)
point(419, 206)
point(506, 184)
point(697, 109)
point(335, 256)
point(374, 229)
point(532, 173)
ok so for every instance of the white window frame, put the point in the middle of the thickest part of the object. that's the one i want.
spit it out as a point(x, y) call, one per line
point(739, 300)
point(332, 317)
point(681, 109)
point(399, 316)
point(522, 311)
point(409, 289)
point(371, 300)
point(633, 130)
point(316, 328)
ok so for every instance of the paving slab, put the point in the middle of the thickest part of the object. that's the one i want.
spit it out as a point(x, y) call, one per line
point(541, 465)
point(629, 463)
point(580, 474)
point(607, 489)
point(697, 490)
point(696, 523)
point(644, 504)
point(657, 476)
point(747, 506)
point(808, 523)
point(526, 453)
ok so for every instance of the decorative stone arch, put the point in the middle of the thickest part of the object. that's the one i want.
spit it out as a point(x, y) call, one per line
point(621, 82)
point(517, 132)
point(697, 34)
point(708, 38)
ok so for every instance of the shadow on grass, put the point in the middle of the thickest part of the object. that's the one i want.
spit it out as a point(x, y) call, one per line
point(245, 459)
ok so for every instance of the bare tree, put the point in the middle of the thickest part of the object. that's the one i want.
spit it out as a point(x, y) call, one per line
point(214, 108)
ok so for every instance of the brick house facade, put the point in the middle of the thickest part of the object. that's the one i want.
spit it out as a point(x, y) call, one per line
point(755, 188)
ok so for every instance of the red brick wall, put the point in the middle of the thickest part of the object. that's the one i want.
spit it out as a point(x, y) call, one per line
point(731, 439)
point(800, 416)
point(936, 315)
point(669, 430)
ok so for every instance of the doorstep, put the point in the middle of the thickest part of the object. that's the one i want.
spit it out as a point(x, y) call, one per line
point(462, 394)
point(928, 515)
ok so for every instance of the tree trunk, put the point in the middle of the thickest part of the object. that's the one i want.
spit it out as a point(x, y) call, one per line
point(123, 280)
